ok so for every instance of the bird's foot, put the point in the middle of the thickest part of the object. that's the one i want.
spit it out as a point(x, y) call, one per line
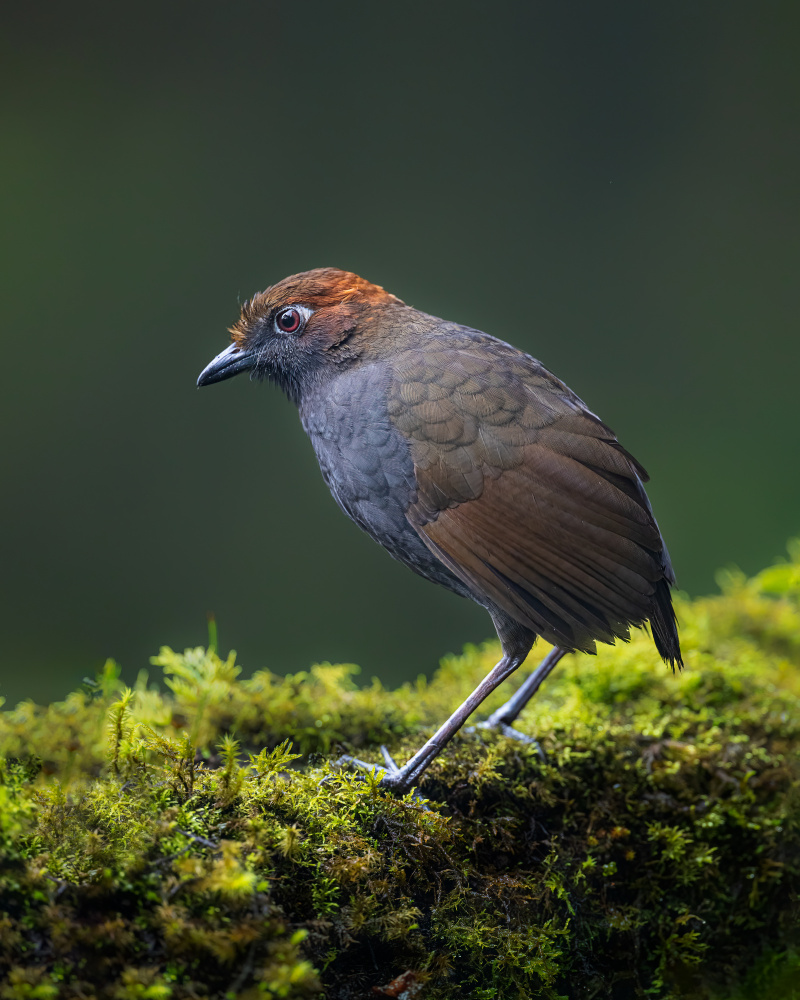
point(392, 777)
point(388, 769)
point(497, 726)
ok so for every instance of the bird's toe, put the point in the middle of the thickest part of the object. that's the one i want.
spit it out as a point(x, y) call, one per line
point(510, 733)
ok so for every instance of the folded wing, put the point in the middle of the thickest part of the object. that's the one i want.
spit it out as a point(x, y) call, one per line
point(530, 500)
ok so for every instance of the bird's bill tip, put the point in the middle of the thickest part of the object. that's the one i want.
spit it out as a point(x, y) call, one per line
point(228, 363)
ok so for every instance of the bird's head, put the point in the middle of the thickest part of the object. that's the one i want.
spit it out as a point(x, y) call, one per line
point(303, 326)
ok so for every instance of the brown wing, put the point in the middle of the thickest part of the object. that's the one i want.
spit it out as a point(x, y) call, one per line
point(526, 496)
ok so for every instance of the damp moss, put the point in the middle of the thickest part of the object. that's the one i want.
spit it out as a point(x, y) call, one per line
point(200, 841)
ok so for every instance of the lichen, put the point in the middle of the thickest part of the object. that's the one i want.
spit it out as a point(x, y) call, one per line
point(201, 841)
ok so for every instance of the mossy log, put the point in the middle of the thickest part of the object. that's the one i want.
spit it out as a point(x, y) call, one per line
point(202, 842)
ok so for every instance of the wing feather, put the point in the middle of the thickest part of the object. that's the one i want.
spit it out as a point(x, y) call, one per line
point(528, 497)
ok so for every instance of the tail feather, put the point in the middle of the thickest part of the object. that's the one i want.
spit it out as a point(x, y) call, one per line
point(664, 626)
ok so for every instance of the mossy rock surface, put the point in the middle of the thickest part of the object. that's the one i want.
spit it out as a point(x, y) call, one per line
point(173, 845)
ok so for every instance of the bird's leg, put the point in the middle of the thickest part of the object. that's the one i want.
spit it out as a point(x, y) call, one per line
point(516, 642)
point(509, 712)
point(502, 719)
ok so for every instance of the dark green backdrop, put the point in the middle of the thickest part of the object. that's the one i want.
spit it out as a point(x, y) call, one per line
point(611, 186)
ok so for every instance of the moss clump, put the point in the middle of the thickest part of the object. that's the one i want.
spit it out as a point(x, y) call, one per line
point(170, 845)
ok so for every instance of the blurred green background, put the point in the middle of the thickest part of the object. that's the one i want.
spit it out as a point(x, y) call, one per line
point(610, 186)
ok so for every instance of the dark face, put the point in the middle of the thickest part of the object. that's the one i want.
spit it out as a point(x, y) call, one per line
point(273, 347)
point(299, 329)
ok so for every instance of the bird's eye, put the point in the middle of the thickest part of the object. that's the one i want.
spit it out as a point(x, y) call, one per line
point(289, 320)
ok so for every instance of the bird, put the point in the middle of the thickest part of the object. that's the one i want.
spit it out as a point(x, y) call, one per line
point(472, 464)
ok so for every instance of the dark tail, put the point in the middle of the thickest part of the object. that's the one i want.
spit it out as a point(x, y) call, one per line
point(664, 626)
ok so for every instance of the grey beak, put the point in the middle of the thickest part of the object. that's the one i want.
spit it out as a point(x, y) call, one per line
point(230, 362)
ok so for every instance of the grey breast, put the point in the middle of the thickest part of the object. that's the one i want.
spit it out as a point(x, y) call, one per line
point(367, 464)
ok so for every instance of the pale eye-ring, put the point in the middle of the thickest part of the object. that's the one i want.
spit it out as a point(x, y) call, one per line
point(290, 320)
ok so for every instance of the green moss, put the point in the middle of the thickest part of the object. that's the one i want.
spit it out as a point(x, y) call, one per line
point(200, 842)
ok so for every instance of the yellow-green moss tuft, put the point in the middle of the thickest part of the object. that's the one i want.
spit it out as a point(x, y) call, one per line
point(202, 843)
